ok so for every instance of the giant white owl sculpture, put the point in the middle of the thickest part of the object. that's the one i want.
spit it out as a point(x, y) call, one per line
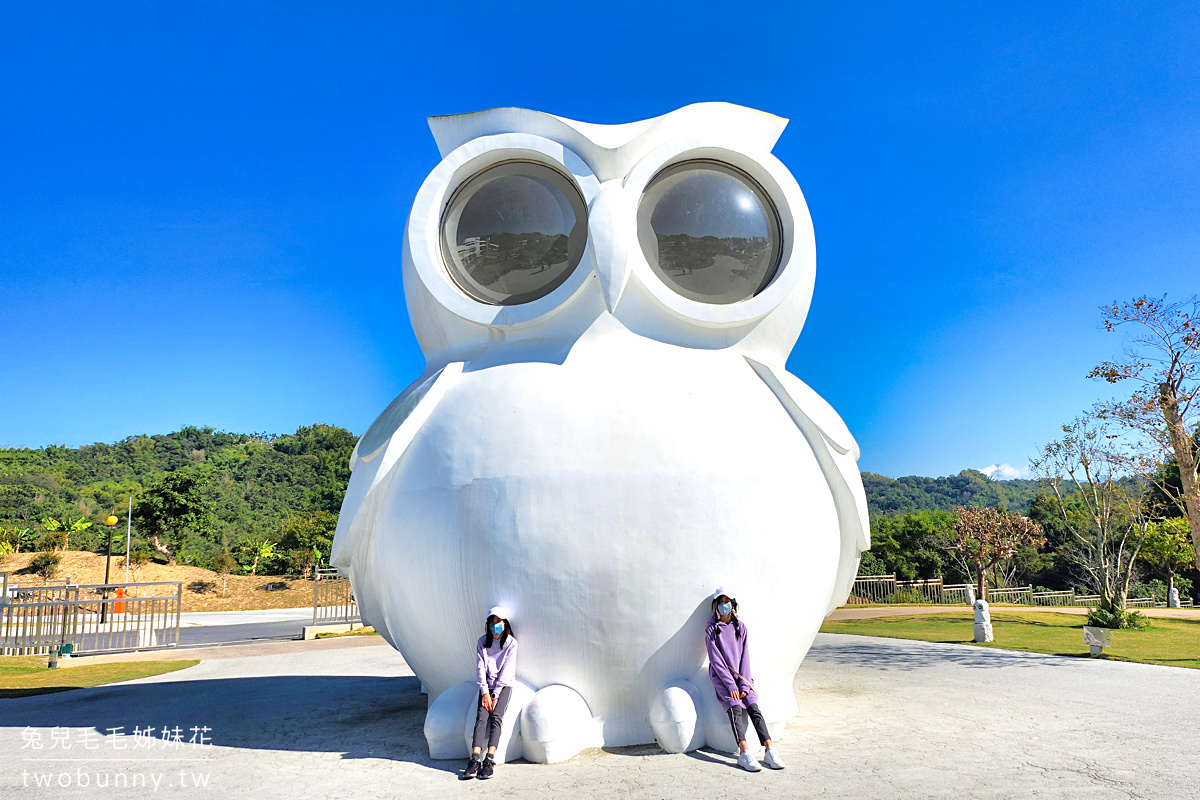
point(604, 431)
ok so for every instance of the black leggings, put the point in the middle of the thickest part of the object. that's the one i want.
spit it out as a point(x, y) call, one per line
point(488, 723)
point(737, 718)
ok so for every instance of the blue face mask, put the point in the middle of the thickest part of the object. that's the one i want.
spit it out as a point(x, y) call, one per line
point(497, 628)
point(724, 608)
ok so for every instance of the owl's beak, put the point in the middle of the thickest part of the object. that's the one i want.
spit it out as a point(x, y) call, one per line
point(612, 284)
point(608, 227)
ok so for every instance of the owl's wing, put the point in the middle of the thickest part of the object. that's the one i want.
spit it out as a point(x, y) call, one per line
point(377, 452)
point(837, 454)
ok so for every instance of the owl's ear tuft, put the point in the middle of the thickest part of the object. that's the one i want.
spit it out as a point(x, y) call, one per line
point(631, 139)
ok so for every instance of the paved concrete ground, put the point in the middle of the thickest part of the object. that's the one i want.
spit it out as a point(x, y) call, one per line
point(879, 718)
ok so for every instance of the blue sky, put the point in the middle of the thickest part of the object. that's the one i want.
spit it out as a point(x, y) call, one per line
point(201, 206)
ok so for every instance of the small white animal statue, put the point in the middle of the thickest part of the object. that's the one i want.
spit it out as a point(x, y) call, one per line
point(604, 430)
point(983, 622)
point(1173, 598)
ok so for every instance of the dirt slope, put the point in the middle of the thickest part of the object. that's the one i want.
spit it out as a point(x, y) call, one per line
point(201, 587)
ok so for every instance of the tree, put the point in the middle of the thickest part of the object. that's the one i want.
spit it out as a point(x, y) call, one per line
point(309, 531)
point(1167, 548)
point(1162, 357)
point(1100, 497)
point(303, 561)
point(136, 560)
point(983, 537)
point(67, 526)
point(258, 547)
point(170, 508)
point(18, 538)
point(223, 564)
point(908, 545)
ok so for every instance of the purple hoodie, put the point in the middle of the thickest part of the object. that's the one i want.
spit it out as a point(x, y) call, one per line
point(495, 667)
point(726, 649)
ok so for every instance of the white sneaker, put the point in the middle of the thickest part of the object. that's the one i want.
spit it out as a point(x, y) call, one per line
point(772, 759)
point(748, 762)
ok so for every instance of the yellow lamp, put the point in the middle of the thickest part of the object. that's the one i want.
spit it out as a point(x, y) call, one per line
point(110, 520)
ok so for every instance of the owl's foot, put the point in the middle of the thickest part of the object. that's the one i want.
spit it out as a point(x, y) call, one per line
point(445, 718)
point(557, 724)
point(675, 717)
point(776, 700)
point(450, 722)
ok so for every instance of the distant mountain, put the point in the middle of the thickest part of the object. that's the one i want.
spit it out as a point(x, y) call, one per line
point(255, 483)
point(891, 496)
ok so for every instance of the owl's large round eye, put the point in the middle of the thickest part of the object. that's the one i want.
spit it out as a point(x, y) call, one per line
point(514, 233)
point(709, 231)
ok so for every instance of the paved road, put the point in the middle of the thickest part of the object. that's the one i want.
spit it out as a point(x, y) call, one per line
point(222, 634)
point(301, 615)
point(880, 718)
point(220, 627)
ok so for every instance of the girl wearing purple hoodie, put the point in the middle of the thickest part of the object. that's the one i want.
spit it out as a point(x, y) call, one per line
point(728, 643)
point(496, 669)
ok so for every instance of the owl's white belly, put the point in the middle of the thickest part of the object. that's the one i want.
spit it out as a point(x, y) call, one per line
point(601, 500)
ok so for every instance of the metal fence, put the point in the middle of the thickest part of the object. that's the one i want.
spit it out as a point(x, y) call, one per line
point(89, 618)
point(333, 599)
point(885, 589)
point(1018, 595)
point(1053, 598)
point(870, 589)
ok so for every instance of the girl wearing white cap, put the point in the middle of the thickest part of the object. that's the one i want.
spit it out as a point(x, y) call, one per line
point(728, 643)
point(496, 669)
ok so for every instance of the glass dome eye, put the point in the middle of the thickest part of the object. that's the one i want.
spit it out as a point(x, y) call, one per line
point(514, 233)
point(709, 232)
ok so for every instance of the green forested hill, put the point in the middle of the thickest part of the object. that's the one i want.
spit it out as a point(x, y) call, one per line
point(891, 496)
point(252, 485)
point(288, 489)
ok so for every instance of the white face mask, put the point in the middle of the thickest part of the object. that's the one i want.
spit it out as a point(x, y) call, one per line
point(724, 608)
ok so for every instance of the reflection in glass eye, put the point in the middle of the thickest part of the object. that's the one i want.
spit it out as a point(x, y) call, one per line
point(514, 233)
point(710, 232)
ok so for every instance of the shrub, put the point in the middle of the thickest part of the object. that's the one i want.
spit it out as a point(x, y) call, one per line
point(45, 564)
point(907, 597)
point(6, 549)
point(1099, 618)
point(54, 540)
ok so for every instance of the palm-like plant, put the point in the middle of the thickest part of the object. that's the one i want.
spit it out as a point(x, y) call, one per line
point(67, 526)
point(258, 547)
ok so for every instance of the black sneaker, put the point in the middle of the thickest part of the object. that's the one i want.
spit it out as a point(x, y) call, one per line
point(472, 769)
point(489, 766)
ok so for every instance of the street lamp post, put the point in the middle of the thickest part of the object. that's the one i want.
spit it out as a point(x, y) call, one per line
point(110, 521)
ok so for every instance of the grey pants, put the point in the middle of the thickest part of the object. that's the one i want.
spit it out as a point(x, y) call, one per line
point(488, 724)
point(737, 718)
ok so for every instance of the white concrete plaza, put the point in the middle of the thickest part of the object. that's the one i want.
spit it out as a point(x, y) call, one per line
point(879, 718)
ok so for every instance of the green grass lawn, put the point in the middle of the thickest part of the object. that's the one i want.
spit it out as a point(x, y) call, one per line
point(1170, 642)
point(25, 675)
point(362, 631)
